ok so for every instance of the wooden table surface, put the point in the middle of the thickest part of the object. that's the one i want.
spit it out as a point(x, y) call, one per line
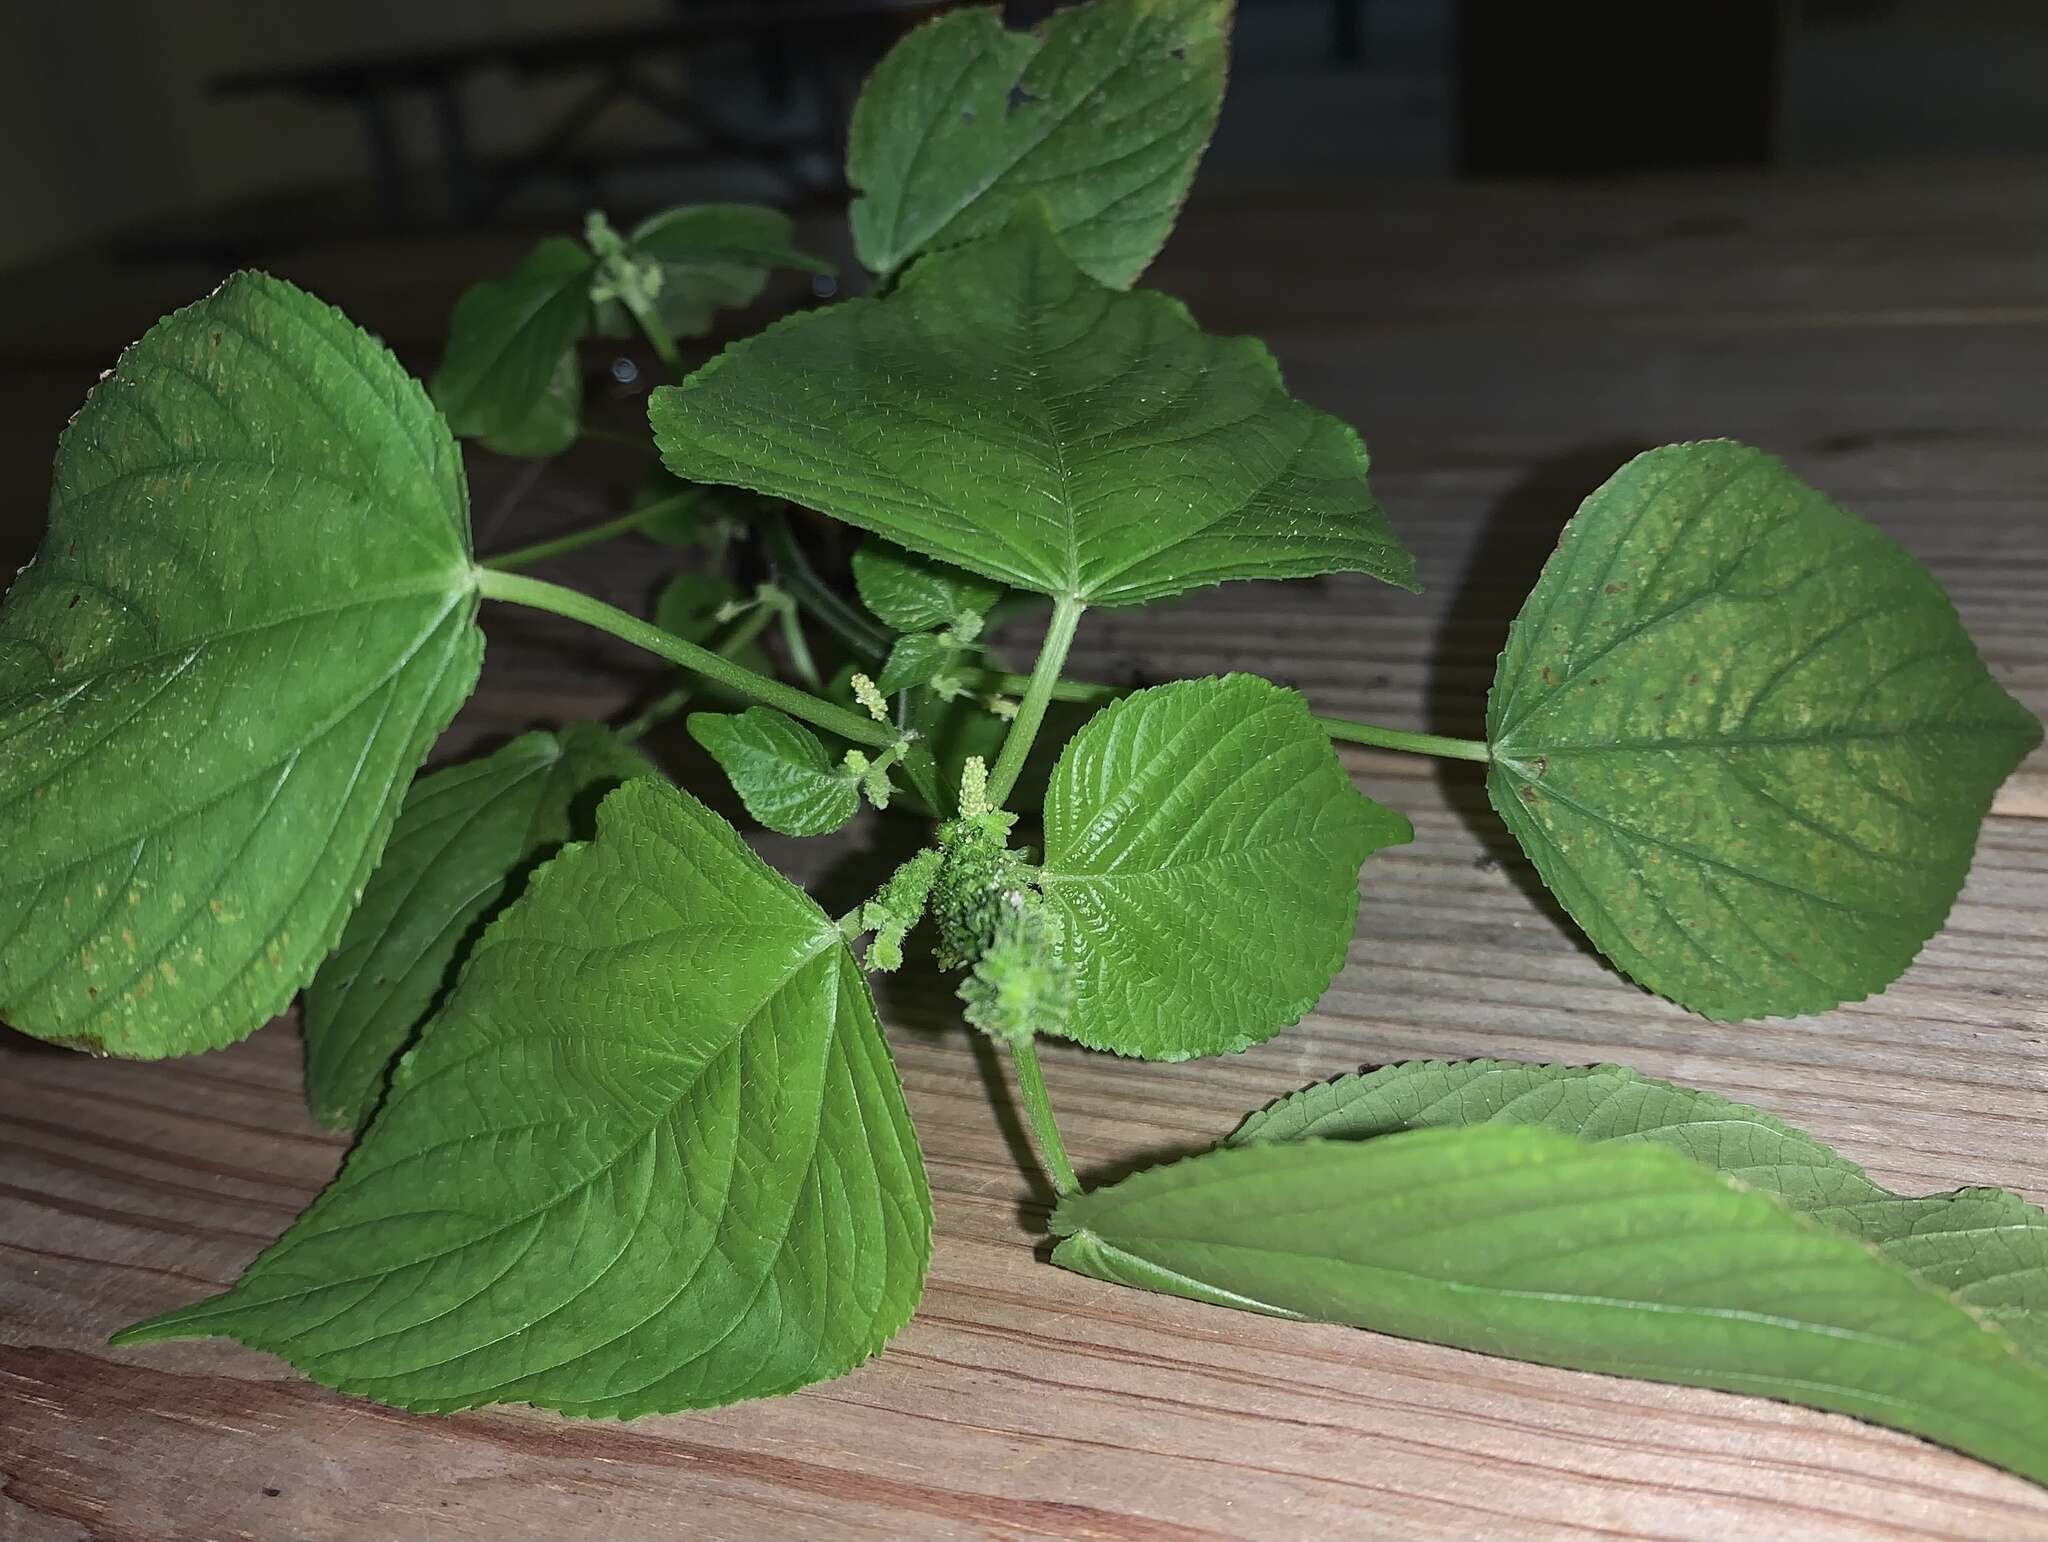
point(1502, 350)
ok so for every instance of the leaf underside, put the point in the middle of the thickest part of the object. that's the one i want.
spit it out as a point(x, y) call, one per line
point(465, 840)
point(1988, 1248)
point(1619, 1257)
point(1202, 848)
point(1744, 738)
point(252, 614)
point(1003, 412)
point(1098, 117)
point(653, 1155)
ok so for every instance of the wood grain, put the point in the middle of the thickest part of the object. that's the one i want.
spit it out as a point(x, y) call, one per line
point(1502, 349)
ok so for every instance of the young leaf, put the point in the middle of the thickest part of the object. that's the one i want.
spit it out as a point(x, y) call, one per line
point(1100, 115)
point(689, 605)
point(1623, 1258)
point(915, 594)
point(1744, 738)
point(465, 840)
point(1988, 1248)
point(716, 257)
point(1109, 451)
point(652, 1155)
point(1202, 847)
point(510, 373)
point(253, 612)
point(917, 659)
point(779, 769)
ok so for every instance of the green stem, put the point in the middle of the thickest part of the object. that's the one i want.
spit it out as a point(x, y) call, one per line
point(794, 572)
point(541, 595)
point(1344, 728)
point(1051, 1146)
point(797, 646)
point(590, 535)
point(1400, 739)
point(669, 703)
point(1045, 676)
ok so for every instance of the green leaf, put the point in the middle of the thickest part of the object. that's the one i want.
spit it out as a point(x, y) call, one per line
point(683, 509)
point(1744, 738)
point(252, 614)
point(779, 769)
point(1615, 1257)
point(917, 659)
point(1099, 116)
point(465, 841)
point(652, 1155)
point(689, 606)
point(1003, 412)
point(1988, 1248)
point(510, 375)
point(1202, 846)
point(915, 594)
point(716, 257)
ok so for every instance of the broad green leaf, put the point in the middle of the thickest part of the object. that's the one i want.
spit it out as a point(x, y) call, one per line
point(779, 769)
point(253, 612)
point(1003, 412)
point(465, 842)
point(652, 1155)
point(1202, 847)
point(915, 594)
point(1099, 116)
point(511, 348)
point(1744, 738)
point(1986, 1247)
point(1615, 1257)
point(918, 659)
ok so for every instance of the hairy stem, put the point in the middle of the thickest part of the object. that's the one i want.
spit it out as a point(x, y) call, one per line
point(1038, 690)
point(1344, 728)
point(669, 703)
point(518, 590)
point(590, 535)
point(1051, 1146)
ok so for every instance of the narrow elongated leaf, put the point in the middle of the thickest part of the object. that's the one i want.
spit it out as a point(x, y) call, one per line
point(1617, 1257)
point(252, 614)
point(1100, 115)
point(510, 350)
point(1003, 412)
point(1202, 847)
point(1744, 738)
point(1988, 1248)
point(779, 769)
point(915, 594)
point(465, 840)
point(652, 1155)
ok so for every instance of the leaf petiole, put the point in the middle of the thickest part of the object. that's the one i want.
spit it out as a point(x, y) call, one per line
point(1031, 1087)
point(516, 589)
point(669, 703)
point(1038, 693)
point(591, 535)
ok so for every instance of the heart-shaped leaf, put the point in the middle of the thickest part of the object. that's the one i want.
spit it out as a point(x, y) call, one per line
point(465, 840)
point(779, 769)
point(652, 1155)
point(915, 594)
point(1108, 451)
point(1744, 738)
point(1986, 1247)
point(252, 614)
point(510, 377)
point(1621, 1257)
point(1100, 116)
point(1202, 848)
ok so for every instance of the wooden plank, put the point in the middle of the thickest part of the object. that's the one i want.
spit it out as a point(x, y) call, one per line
point(1503, 349)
